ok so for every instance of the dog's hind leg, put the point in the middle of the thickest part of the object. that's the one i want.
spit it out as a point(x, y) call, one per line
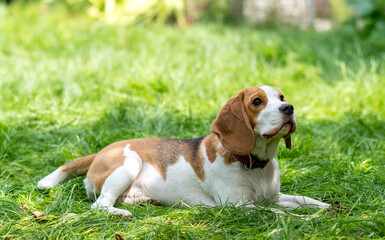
point(91, 191)
point(115, 184)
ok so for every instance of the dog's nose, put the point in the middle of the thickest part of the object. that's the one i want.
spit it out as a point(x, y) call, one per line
point(287, 109)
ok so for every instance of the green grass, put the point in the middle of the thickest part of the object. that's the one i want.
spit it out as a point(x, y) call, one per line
point(70, 86)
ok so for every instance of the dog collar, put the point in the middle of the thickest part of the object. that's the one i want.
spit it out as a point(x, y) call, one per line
point(250, 161)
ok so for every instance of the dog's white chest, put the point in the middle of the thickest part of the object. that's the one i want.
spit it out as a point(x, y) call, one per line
point(231, 183)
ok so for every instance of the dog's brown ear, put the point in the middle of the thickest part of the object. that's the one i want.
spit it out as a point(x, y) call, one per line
point(232, 127)
point(288, 141)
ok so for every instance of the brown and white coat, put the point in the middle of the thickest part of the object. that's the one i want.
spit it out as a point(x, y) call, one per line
point(207, 170)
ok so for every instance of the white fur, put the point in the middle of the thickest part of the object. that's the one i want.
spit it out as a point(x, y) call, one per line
point(232, 184)
point(53, 179)
point(181, 184)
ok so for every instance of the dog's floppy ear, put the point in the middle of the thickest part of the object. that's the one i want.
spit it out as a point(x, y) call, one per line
point(232, 127)
point(288, 136)
point(288, 141)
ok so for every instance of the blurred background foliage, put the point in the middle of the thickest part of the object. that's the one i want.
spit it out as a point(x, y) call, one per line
point(364, 19)
point(367, 17)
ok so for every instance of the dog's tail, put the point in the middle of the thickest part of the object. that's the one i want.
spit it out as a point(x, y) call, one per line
point(76, 167)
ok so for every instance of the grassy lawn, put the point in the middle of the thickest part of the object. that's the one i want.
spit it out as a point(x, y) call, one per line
point(70, 85)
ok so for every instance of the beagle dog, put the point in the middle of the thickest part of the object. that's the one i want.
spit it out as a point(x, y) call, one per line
point(234, 164)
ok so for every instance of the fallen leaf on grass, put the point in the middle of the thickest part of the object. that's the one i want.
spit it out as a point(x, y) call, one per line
point(37, 214)
point(119, 236)
point(24, 207)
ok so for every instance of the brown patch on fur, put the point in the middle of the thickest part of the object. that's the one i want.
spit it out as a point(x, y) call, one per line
point(211, 143)
point(162, 152)
point(105, 162)
point(78, 166)
point(228, 158)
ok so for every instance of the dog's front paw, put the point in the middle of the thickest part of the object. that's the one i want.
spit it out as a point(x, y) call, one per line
point(113, 210)
point(122, 212)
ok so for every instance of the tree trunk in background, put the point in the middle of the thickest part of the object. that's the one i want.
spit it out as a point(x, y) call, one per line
point(236, 10)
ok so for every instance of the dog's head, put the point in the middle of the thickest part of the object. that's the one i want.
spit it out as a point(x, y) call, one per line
point(254, 112)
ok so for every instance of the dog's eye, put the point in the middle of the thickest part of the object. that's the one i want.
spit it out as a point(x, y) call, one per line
point(282, 97)
point(257, 101)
